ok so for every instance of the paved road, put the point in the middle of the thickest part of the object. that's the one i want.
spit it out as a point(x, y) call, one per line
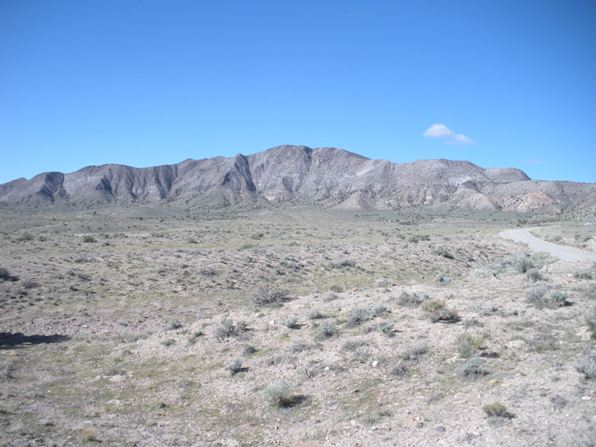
point(563, 252)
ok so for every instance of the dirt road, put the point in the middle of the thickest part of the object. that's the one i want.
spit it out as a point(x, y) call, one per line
point(563, 252)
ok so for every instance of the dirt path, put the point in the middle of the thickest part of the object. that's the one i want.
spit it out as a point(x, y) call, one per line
point(563, 252)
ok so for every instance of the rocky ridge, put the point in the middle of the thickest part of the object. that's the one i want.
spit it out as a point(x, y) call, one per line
point(327, 177)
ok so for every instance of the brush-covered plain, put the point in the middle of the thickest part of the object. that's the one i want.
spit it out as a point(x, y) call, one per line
point(157, 327)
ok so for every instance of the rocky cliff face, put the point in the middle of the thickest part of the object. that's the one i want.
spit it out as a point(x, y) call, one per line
point(325, 176)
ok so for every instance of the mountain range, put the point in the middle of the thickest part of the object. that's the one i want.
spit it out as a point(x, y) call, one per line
point(327, 177)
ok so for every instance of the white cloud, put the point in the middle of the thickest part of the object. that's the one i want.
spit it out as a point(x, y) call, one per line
point(440, 130)
point(461, 139)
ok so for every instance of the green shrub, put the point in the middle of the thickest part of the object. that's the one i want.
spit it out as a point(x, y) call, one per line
point(387, 328)
point(473, 368)
point(291, 322)
point(235, 366)
point(358, 316)
point(279, 394)
point(327, 329)
point(468, 345)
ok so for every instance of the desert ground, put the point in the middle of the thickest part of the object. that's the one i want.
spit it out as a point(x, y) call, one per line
point(292, 326)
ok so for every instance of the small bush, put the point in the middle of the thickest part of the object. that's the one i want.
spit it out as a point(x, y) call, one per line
point(248, 350)
point(534, 275)
point(543, 296)
point(587, 365)
point(25, 237)
point(327, 329)
point(5, 275)
point(468, 345)
point(399, 370)
point(314, 314)
point(583, 274)
point(175, 325)
point(358, 316)
point(89, 239)
point(442, 251)
point(473, 368)
point(267, 296)
point(591, 322)
point(521, 263)
point(387, 328)
point(227, 329)
point(194, 337)
point(279, 394)
point(414, 353)
point(168, 342)
point(346, 263)
point(353, 345)
point(438, 311)
point(30, 284)
point(497, 409)
point(379, 310)
point(235, 366)
point(291, 322)
point(442, 279)
point(410, 300)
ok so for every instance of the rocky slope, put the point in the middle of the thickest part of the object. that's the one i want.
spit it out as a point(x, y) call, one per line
point(324, 176)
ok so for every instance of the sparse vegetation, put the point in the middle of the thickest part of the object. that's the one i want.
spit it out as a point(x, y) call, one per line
point(165, 331)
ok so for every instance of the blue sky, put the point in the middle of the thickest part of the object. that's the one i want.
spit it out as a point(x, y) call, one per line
point(510, 83)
